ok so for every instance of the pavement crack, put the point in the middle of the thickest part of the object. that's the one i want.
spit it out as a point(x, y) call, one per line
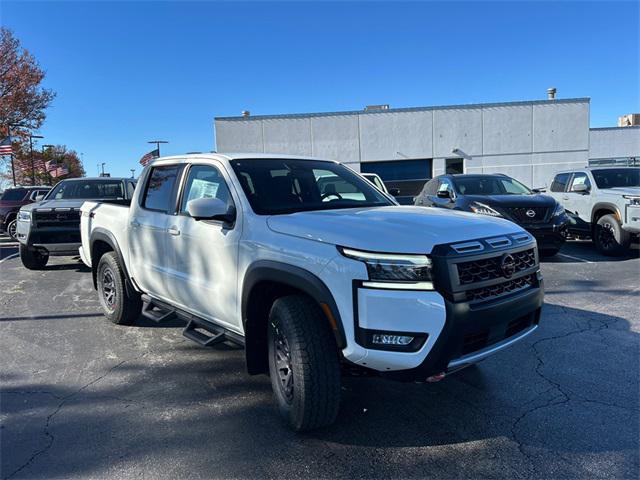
point(63, 400)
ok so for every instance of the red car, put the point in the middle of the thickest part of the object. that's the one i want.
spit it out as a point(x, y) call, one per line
point(10, 202)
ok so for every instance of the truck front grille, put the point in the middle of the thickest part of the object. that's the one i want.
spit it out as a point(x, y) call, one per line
point(57, 218)
point(489, 268)
point(524, 214)
point(500, 289)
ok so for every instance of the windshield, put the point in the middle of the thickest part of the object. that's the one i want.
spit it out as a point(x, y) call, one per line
point(287, 186)
point(67, 190)
point(14, 194)
point(487, 185)
point(617, 177)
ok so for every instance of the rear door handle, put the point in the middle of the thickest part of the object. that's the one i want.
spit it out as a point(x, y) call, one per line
point(565, 198)
point(173, 231)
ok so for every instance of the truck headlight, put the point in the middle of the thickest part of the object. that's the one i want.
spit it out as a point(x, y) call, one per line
point(634, 200)
point(24, 216)
point(394, 271)
point(559, 210)
point(482, 209)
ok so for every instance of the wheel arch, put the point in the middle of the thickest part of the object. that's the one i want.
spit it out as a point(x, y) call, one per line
point(264, 282)
point(101, 242)
point(604, 208)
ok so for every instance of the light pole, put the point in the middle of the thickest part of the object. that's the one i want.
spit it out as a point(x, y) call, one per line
point(13, 168)
point(102, 164)
point(133, 172)
point(33, 168)
point(157, 142)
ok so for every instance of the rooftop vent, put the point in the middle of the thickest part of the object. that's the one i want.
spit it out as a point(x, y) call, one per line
point(630, 120)
point(246, 113)
point(551, 93)
point(370, 108)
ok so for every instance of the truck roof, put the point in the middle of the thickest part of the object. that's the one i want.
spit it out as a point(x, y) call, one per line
point(240, 156)
point(602, 167)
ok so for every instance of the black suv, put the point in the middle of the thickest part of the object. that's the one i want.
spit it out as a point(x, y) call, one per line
point(501, 196)
point(10, 202)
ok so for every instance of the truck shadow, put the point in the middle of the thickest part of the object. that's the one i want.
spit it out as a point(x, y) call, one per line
point(569, 390)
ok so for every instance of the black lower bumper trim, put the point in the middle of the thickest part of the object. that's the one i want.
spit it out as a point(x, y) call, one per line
point(472, 327)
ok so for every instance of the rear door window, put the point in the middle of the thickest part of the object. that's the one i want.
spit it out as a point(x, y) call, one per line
point(559, 183)
point(160, 189)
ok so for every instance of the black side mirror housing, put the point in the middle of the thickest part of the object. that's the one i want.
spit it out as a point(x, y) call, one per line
point(394, 192)
point(443, 194)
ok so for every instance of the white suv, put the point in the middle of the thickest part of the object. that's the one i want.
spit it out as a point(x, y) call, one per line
point(312, 269)
point(603, 203)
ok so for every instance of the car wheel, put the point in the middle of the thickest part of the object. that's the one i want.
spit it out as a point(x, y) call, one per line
point(609, 237)
point(118, 305)
point(12, 228)
point(33, 259)
point(303, 363)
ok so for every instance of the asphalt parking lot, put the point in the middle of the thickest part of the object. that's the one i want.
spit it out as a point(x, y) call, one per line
point(81, 397)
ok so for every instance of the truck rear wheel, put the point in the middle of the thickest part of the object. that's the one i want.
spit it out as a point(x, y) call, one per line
point(118, 305)
point(609, 237)
point(303, 363)
point(33, 259)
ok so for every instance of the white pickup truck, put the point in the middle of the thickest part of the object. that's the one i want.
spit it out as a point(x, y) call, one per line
point(311, 274)
point(602, 203)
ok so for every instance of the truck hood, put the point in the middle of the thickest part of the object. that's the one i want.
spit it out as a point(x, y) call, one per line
point(390, 229)
point(622, 191)
point(75, 203)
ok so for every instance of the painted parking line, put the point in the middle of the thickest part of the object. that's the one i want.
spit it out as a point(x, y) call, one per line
point(574, 258)
point(13, 255)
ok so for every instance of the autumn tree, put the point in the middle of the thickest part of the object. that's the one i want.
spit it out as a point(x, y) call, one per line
point(23, 100)
point(47, 166)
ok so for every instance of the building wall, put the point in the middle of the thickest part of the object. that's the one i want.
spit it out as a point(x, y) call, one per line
point(614, 143)
point(527, 140)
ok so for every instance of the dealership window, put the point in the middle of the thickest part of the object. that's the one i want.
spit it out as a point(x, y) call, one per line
point(408, 176)
point(454, 166)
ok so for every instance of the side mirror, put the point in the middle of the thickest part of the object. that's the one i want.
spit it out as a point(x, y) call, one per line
point(443, 194)
point(580, 188)
point(394, 192)
point(539, 190)
point(211, 209)
point(39, 197)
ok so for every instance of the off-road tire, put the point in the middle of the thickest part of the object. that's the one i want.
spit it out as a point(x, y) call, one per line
point(33, 259)
point(118, 305)
point(609, 237)
point(313, 361)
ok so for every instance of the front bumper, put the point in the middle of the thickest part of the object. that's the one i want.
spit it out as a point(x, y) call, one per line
point(552, 235)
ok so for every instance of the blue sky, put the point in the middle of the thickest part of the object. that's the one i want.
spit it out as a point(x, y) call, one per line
point(128, 72)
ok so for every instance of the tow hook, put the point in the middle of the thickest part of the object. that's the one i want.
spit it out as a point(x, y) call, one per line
point(436, 378)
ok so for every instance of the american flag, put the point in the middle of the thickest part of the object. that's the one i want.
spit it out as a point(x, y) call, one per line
point(56, 170)
point(148, 157)
point(5, 146)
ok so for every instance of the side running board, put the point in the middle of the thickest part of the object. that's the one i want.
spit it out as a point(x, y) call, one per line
point(204, 333)
point(155, 312)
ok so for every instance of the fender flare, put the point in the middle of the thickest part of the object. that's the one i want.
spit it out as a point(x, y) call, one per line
point(104, 235)
point(607, 206)
point(295, 277)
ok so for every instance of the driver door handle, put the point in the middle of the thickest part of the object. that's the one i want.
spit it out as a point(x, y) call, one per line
point(173, 231)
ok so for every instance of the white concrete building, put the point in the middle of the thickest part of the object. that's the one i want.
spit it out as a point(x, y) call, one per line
point(528, 140)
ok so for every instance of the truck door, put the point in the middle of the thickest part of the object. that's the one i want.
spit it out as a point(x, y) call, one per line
point(148, 241)
point(203, 276)
point(579, 203)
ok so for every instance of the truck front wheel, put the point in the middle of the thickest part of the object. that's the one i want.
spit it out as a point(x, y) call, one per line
point(118, 305)
point(33, 259)
point(609, 237)
point(303, 363)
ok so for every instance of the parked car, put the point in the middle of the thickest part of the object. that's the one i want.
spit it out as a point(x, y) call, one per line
point(377, 181)
point(10, 202)
point(248, 248)
point(504, 197)
point(603, 203)
point(52, 226)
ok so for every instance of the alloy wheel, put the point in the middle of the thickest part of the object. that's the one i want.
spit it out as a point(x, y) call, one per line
point(282, 359)
point(109, 294)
